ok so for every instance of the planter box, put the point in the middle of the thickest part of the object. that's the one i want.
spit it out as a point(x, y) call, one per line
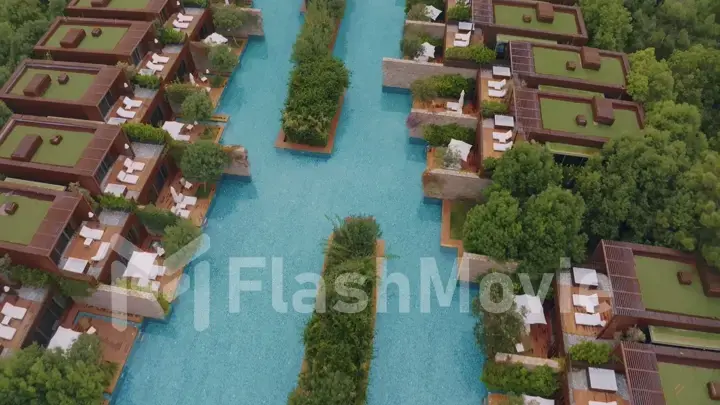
point(462, 63)
point(607, 366)
point(282, 143)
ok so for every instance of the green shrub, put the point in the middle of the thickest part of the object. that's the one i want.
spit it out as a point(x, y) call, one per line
point(440, 135)
point(591, 352)
point(411, 46)
point(439, 4)
point(197, 107)
point(145, 133)
point(116, 203)
point(203, 162)
point(315, 90)
point(417, 13)
point(423, 90)
point(216, 81)
point(497, 331)
point(222, 58)
point(179, 235)
point(156, 219)
point(476, 53)
point(177, 92)
point(177, 150)
point(130, 70)
point(231, 18)
point(315, 36)
point(541, 381)
point(5, 113)
point(459, 12)
point(147, 81)
point(451, 86)
point(490, 108)
point(170, 36)
point(336, 8)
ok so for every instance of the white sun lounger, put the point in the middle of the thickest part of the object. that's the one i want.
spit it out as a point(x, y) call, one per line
point(432, 12)
point(184, 18)
point(7, 332)
point(463, 37)
point(461, 43)
point(585, 276)
point(457, 106)
point(13, 311)
point(160, 59)
point(131, 165)
point(181, 25)
point(528, 400)
point(91, 233)
point(154, 67)
point(497, 93)
point(589, 319)
point(75, 265)
point(466, 26)
point(589, 302)
point(602, 379)
point(101, 252)
point(497, 85)
point(506, 121)
point(502, 136)
point(130, 103)
point(125, 113)
point(502, 147)
point(501, 71)
point(127, 178)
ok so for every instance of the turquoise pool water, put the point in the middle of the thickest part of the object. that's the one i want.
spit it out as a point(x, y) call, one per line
point(253, 356)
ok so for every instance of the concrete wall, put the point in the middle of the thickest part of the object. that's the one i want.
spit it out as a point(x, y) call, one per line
point(419, 117)
point(527, 361)
point(436, 30)
point(453, 184)
point(126, 301)
point(400, 73)
point(473, 265)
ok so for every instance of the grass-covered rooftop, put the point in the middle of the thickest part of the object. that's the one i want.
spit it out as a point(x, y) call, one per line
point(553, 61)
point(684, 385)
point(512, 16)
point(661, 290)
point(20, 227)
point(118, 4)
point(66, 153)
point(110, 38)
point(73, 90)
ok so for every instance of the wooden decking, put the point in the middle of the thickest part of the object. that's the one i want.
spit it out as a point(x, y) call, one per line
point(451, 29)
point(143, 176)
point(140, 112)
point(22, 326)
point(77, 248)
point(583, 397)
point(197, 211)
point(568, 310)
point(496, 399)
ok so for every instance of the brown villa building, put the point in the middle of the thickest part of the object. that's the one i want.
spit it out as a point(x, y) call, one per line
point(144, 10)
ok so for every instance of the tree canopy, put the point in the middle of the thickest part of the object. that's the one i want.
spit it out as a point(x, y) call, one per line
point(607, 22)
point(203, 161)
point(494, 228)
point(526, 170)
point(222, 58)
point(197, 107)
point(649, 80)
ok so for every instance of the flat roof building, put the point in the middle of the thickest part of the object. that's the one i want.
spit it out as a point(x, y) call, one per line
point(138, 10)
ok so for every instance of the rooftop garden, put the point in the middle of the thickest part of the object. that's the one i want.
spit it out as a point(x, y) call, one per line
point(684, 338)
point(109, 39)
point(117, 4)
point(20, 227)
point(686, 384)
point(559, 115)
point(73, 90)
point(553, 62)
point(66, 153)
point(658, 281)
point(513, 16)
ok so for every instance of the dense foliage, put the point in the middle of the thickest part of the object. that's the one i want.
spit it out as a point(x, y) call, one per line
point(440, 135)
point(446, 86)
point(156, 219)
point(147, 81)
point(413, 39)
point(31, 277)
point(145, 133)
point(170, 36)
point(489, 108)
point(338, 343)
point(607, 22)
point(497, 332)
point(179, 235)
point(594, 353)
point(541, 381)
point(526, 170)
point(476, 53)
point(459, 12)
point(116, 203)
point(197, 107)
point(177, 92)
point(36, 376)
point(230, 18)
point(222, 58)
point(5, 113)
point(203, 162)
point(316, 35)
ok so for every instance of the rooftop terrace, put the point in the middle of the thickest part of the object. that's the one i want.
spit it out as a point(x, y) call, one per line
point(76, 87)
point(117, 4)
point(21, 226)
point(107, 41)
point(683, 384)
point(513, 16)
point(66, 153)
point(552, 61)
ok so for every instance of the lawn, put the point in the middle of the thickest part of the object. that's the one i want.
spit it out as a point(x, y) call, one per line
point(73, 90)
point(684, 338)
point(686, 385)
point(552, 62)
point(559, 115)
point(118, 4)
point(661, 290)
point(21, 227)
point(564, 23)
point(67, 153)
point(458, 213)
point(572, 92)
point(109, 39)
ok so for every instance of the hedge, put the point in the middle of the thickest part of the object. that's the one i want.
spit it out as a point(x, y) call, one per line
point(147, 81)
point(591, 352)
point(440, 135)
point(116, 203)
point(339, 345)
point(446, 86)
point(177, 92)
point(542, 381)
point(459, 12)
point(315, 36)
point(490, 108)
point(145, 133)
point(477, 53)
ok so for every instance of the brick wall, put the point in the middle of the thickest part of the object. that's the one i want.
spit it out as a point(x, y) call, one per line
point(400, 73)
point(424, 117)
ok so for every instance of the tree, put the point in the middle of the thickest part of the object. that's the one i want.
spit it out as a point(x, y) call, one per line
point(336, 8)
point(494, 228)
point(552, 225)
point(222, 58)
point(56, 8)
point(156, 219)
point(18, 12)
point(682, 122)
point(203, 162)
point(197, 107)
point(230, 18)
point(5, 113)
point(497, 332)
point(38, 376)
point(525, 170)
point(315, 36)
point(179, 235)
point(608, 23)
point(649, 81)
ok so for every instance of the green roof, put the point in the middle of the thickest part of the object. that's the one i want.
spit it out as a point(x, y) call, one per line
point(66, 153)
point(565, 90)
point(684, 338)
point(685, 385)
point(552, 62)
point(73, 90)
point(661, 291)
point(507, 38)
point(118, 4)
point(512, 15)
point(54, 187)
point(109, 39)
point(20, 227)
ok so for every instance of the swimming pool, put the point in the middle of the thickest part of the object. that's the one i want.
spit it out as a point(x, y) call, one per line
point(253, 356)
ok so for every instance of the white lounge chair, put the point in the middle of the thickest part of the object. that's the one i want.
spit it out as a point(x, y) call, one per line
point(127, 178)
point(463, 37)
point(102, 252)
point(90, 233)
point(184, 18)
point(13, 311)
point(502, 136)
point(130, 103)
point(589, 319)
point(7, 332)
point(180, 25)
point(502, 147)
point(497, 93)
point(186, 184)
point(91, 330)
point(188, 200)
point(463, 42)
point(432, 12)
point(466, 26)
point(501, 71)
point(154, 67)
point(6, 320)
point(589, 302)
point(125, 113)
point(497, 85)
point(116, 121)
point(506, 121)
point(457, 106)
point(160, 59)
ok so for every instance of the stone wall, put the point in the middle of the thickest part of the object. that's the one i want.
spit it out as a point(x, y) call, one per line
point(239, 164)
point(423, 117)
point(527, 361)
point(473, 265)
point(400, 73)
point(453, 185)
point(436, 30)
point(126, 301)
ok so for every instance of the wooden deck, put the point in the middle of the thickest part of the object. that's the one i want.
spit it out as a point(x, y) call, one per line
point(568, 310)
point(583, 397)
point(140, 112)
point(143, 176)
point(22, 326)
point(77, 248)
point(197, 211)
point(163, 74)
point(451, 29)
point(496, 399)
